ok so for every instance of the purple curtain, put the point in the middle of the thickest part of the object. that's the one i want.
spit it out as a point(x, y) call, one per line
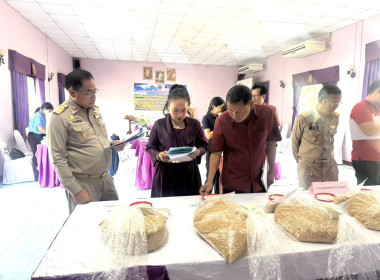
point(371, 73)
point(265, 84)
point(61, 87)
point(61, 94)
point(296, 99)
point(41, 86)
point(20, 98)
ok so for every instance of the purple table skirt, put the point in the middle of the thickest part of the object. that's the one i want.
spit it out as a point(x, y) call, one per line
point(144, 168)
point(154, 273)
point(277, 171)
point(47, 176)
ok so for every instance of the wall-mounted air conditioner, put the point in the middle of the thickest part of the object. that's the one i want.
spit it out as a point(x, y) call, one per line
point(247, 82)
point(303, 49)
point(249, 68)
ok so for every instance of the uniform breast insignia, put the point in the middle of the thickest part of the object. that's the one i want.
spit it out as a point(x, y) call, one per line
point(75, 119)
point(313, 126)
point(85, 137)
point(332, 126)
point(61, 108)
point(336, 114)
point(313, 139)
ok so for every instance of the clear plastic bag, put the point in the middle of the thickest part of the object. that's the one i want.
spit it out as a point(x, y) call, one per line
point(365, 207)
point(128, 234)
point(268, 244)
point(222, 223)
point(307, 220)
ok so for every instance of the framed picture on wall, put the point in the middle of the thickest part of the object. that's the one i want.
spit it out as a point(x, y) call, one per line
point(160, 77)
point(170, 75)
point(147, 73)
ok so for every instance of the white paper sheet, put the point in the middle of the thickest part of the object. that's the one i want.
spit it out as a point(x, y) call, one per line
point(358, 134)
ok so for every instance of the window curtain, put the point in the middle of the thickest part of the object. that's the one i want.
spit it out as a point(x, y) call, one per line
point(21, 67)
point(324, 76)
point(265, 84)
point(61, 87)
point(21, 109)
point(372, 65)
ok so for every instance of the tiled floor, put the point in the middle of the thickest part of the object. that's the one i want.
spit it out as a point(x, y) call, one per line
point(31, 217)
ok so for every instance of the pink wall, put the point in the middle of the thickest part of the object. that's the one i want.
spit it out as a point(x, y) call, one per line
point(115, 80)
point(347, 48)
point(20, 35)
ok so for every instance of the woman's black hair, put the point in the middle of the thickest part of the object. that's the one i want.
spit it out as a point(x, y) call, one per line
point(216, 101)
point(176, 91)
point(46, 105)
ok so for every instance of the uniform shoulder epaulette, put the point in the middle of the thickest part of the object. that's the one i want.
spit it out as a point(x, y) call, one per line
point(336, 114)
point(307, 113)
point(96, 106)
point(61, 108)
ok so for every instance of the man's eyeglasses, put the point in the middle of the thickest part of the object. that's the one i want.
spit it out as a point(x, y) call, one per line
point(89, 93)
point(334, 104)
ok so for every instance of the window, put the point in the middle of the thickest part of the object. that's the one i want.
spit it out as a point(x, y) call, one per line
point(309, 97)
point(34, 99)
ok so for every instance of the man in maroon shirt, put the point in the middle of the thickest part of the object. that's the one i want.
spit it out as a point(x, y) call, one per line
point(366, 153)
point(246, 134)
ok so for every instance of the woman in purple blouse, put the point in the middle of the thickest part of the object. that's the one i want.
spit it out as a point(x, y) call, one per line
point(176, 130)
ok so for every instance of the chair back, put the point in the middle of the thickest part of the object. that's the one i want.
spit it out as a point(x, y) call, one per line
point(4, 150)
point(20, 143)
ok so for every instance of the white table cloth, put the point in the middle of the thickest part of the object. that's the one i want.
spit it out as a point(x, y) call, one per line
point(185, 254)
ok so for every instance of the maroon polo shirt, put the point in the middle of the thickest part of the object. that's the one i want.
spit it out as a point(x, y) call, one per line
point(243, 146)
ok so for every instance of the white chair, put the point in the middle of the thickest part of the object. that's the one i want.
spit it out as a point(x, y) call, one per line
point(21, 144)
point(16, 170)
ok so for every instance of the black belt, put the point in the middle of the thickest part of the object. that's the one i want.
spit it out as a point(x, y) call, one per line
point(96, 176)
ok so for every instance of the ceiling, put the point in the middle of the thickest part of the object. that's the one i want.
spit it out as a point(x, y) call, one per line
point(213, 32)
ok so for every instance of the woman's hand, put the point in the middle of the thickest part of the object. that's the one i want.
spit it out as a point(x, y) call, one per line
point(194, 154)
point(163, 156)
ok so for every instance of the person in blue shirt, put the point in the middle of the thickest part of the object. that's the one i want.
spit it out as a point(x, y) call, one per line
point(37, 130)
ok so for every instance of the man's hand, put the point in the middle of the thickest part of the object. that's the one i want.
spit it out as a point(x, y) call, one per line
point(83, 197)
point(270, 178)
point(206, 188)
point(117, 148)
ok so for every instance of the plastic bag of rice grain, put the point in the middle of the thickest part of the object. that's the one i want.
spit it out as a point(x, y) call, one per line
point(222, 223)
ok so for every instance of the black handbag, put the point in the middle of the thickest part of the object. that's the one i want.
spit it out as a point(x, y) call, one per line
point(16, 153)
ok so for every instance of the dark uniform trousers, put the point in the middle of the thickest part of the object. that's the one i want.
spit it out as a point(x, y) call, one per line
point(316, 171)
point(369, 170)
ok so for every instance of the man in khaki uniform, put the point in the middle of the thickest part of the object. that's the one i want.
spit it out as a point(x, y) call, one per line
point(77, 139)
point(313, 139)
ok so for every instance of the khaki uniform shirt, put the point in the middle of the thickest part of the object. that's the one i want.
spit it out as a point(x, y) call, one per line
point(312, 138)
point(76, 141)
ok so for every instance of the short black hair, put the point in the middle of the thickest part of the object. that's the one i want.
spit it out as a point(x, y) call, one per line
point(328, 89)
point(75, 78)
point(373, 87)
point(263, 90)
point(176, 91)
point(239, 93)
